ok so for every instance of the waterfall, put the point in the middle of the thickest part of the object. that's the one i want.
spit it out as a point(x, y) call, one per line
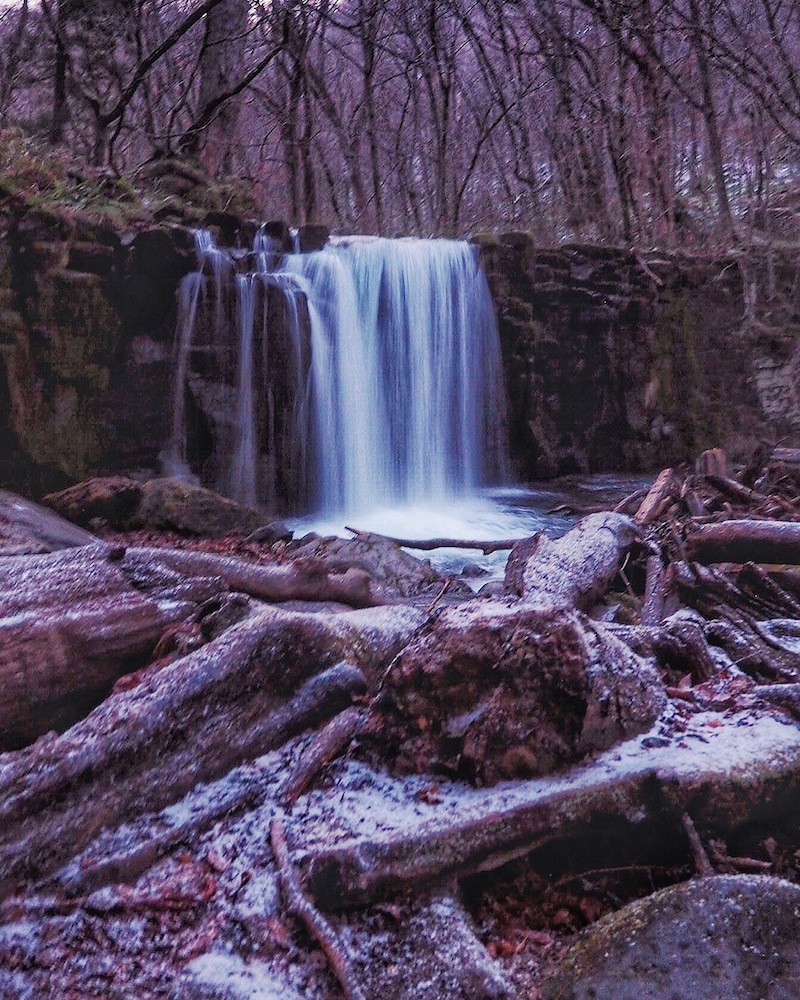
point(380, 382)
point(406, 371)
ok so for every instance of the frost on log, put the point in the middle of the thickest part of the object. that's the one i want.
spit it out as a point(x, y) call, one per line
point(251, 751)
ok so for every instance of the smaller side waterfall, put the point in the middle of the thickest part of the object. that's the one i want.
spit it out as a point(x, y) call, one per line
point(240, 364)
point(363, 374)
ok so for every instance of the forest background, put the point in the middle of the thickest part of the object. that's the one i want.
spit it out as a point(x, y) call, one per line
point(656, 122)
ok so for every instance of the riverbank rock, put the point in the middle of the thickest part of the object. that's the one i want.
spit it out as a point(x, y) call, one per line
point(185, 507)
point(490, 692)
point(726, 936)
point(163, 504)
point(114, 499)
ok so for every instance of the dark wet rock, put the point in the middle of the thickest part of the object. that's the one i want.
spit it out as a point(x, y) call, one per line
point(313, 237)
point(226, 225)
point(268, 534)
point(727, 936)
point(278, 231)
point(492, 692)
point(473, 570)
point(164, 504)
point(163, 249)
point(114, 499)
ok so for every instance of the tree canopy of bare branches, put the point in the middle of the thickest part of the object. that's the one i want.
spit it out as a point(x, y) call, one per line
point(654, 121)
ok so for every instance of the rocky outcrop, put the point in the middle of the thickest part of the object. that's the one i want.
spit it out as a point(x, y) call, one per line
point(87, 316)
point(618, 360)
point(161, 505)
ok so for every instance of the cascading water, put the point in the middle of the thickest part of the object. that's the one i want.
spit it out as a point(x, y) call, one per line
point(379, 383)
point(407, 385)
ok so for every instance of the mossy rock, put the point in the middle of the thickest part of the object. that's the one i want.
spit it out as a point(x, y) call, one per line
point(175, 505)
point(729, 936)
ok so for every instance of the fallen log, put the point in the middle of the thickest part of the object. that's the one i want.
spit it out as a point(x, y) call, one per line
point(300, 580)
point(789, 456)
point(25, 527)
point(190, 722)
point(662, 492)
point(625, 789)
point(326, 746)
point(394, 570)
point(631, 503)
point(74, 621)
point(785, 695)
point(742, 541)
point(320, 929)
point(735, 491)
point(654, 592)
point(429, 544)
point(708, 589)
point(576, 569)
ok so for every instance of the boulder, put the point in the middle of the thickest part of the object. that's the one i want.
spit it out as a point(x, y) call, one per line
point(164, 504)
point(726, 936)
point(174, 505)
point(313, 237)
point(114, 499)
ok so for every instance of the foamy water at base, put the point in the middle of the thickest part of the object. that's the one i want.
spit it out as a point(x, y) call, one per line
point(488, 515)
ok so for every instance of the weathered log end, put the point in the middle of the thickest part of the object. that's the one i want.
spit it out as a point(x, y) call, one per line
point(576, 569)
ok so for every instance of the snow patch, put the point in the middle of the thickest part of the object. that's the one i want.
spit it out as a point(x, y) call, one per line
point(227, 977)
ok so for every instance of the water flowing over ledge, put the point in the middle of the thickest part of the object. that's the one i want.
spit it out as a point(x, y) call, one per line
point(340, 380)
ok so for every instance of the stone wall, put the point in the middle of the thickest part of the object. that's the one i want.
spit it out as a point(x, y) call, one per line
point(624, 361)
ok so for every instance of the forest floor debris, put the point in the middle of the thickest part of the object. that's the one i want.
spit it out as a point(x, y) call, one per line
point(453, 784)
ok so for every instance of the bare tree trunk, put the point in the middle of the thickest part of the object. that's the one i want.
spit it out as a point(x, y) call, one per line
point(699, 42)
point(59, 112)
point(222, 63)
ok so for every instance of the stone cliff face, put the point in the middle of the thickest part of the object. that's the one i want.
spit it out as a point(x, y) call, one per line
point(614, 360)
point(87, 319)
point(618, 360)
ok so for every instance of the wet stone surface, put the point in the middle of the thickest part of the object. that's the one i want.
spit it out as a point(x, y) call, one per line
point(727, 936)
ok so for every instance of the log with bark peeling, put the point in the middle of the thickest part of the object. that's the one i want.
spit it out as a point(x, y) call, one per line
point(660, 495)
point(430, 544)
point(487, 830)
point(302, 579)
point(72, 622)
point(26, 527)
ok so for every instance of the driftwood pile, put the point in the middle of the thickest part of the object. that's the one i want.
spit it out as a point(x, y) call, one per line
point(211, 745)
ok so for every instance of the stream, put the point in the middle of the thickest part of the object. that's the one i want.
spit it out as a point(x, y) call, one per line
point(487, 514)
